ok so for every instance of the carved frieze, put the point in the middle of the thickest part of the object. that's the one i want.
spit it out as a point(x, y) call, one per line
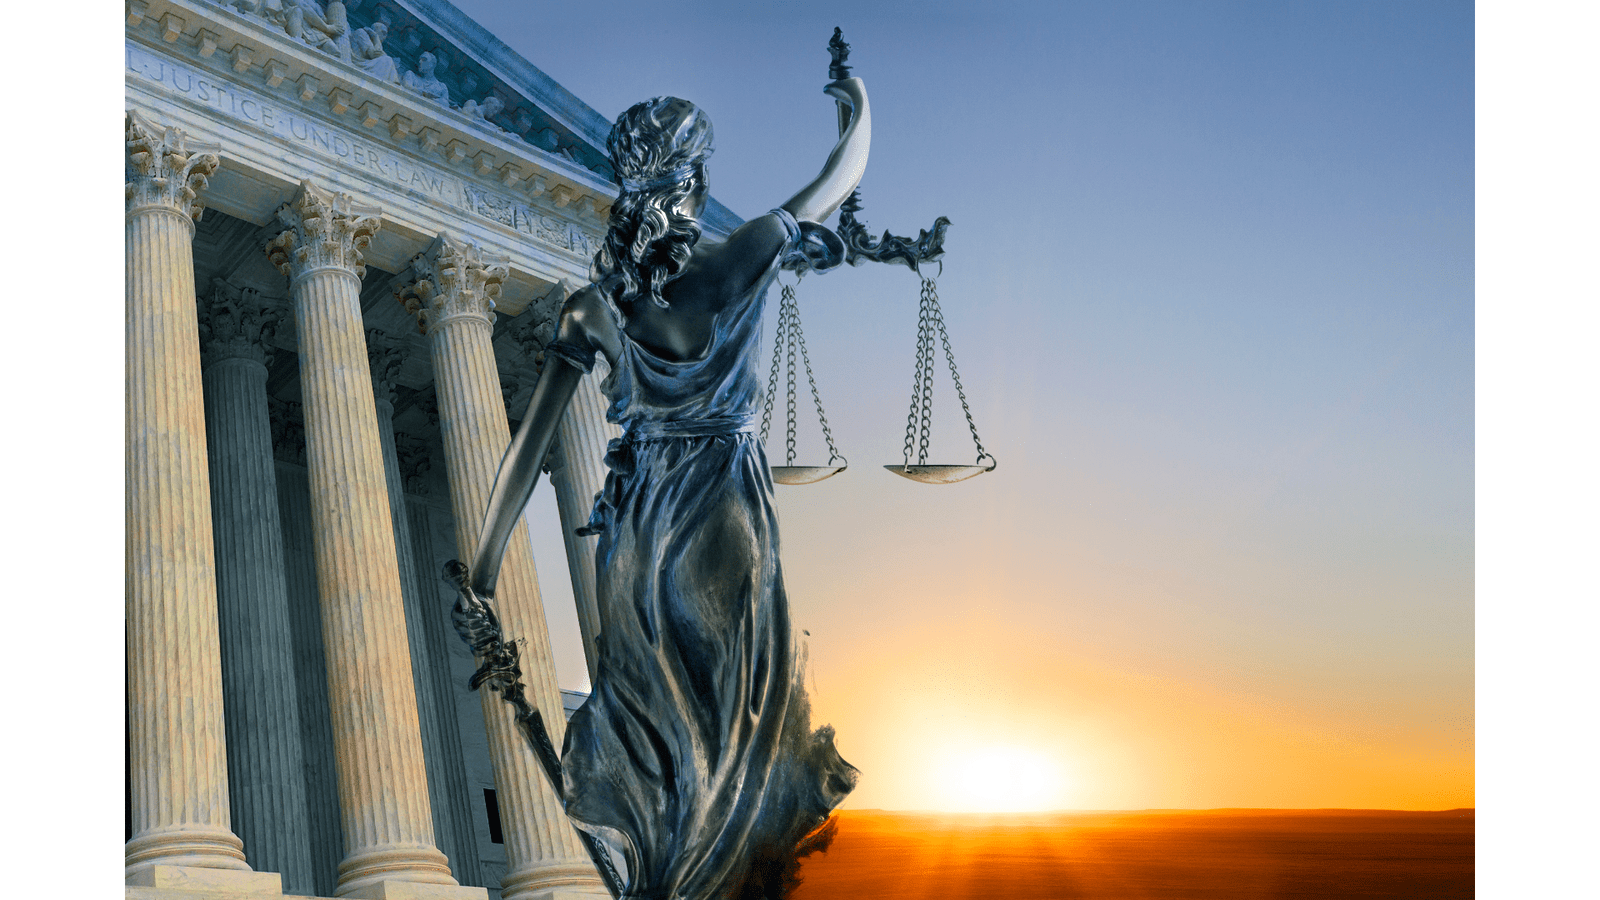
point(359, 34)
point(452, 278)
point(326, 229)
point(165, 168)
point(236, 323)
point(368, 157)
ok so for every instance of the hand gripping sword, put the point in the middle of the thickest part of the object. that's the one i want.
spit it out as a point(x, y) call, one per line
point(475, 620)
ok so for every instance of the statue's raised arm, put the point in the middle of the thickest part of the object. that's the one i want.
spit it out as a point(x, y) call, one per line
point(818, 200)
point(660, 780)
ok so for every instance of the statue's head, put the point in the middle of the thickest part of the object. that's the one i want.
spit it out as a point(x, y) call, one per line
point(426, 62)
point(491, 106)
point(659, 150)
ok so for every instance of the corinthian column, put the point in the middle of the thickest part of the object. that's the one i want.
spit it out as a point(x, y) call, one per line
point(266, 773)
point(452, 297)
point(384, 808)
point(178, 769)
point(577, 471)
point(386, 356)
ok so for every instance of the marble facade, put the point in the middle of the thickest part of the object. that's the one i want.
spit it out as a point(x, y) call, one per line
point(349, 226)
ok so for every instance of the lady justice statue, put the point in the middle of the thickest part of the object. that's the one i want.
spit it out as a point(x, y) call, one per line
point(693, 761)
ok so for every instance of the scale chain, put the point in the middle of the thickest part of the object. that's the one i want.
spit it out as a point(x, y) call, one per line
point(788, 298)
point(927, 382)
point(914, 416)
point(788, 339)
point(772, 380)
point(950, 356)
point(822, 417)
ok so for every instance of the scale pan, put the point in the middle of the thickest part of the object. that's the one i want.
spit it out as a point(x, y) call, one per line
point(937, 474)
point(804, 474)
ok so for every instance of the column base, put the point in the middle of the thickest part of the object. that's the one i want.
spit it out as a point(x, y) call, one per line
point(413, 890)
point(561, 881)
point(188, 848)
point(568, 893)
point(194, 881)
point(421, 865)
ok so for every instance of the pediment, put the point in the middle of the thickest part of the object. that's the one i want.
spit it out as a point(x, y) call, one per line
point(482, 108)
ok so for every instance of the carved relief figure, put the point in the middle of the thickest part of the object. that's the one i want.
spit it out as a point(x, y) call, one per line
point(487, 110)
point(271, 10)
point(366, 50)
point(326, 29)
point(424, 82)
point(693, 759)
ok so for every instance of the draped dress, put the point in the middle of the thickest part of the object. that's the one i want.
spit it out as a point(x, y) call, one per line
point(693, 758)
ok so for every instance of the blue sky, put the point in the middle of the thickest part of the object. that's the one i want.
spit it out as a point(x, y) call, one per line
point(1210, 288)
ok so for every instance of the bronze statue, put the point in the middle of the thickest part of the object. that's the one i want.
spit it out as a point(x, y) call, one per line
point(693, 762)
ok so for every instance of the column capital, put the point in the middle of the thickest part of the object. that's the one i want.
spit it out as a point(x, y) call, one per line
point(415, 462)
point(532, 332)
point(452, 279)
point(288, 431)
point(428, 405)
point(325, 229)
point(509, 386)
point(385, 356)
point(236, 323)
point(165, 169)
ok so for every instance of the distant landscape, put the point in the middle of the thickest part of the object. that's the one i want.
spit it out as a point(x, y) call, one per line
point(1226, 854)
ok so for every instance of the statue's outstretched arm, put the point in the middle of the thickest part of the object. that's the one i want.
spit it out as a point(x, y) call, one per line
point(819, 199)
point(584, 323)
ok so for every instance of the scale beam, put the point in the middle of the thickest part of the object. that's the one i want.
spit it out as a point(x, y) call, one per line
point(860, 248)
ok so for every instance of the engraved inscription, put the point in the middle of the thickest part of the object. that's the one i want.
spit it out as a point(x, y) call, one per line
point(353, 152)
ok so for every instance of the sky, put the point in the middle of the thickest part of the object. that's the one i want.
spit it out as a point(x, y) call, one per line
point(1142, 674)
point(1210, 288)
point(1230, 544)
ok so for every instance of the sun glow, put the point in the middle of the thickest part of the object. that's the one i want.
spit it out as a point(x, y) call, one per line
point(1001, 778)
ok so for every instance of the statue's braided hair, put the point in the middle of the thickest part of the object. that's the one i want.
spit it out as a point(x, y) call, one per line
point(658, 149)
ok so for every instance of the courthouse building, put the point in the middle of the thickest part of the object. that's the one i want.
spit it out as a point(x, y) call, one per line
point(320, 371)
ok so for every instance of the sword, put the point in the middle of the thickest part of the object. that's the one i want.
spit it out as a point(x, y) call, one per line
point(475, 621)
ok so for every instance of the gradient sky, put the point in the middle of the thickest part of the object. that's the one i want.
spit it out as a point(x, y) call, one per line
point(1210, 288)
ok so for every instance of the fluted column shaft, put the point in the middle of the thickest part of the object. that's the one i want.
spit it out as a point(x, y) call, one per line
point(385, 360)
point(582, 437)
point(177, 757)
point(387, 821)
point(542, 849)
point(311, 685)
point(265, 764)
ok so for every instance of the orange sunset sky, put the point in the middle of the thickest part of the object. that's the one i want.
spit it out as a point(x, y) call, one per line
point(1210, 289)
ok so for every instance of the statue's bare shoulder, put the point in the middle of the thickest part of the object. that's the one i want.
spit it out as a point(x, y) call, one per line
point(588, 320)
point(741, 260)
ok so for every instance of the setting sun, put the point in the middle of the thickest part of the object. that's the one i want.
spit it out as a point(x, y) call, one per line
point(1000, 778)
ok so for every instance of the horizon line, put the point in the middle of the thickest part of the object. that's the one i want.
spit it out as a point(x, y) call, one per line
point(1175, 809)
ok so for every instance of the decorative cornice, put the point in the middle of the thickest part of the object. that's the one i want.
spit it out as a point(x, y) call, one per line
point(326, 229)
point(236, 323)
point(166, 169)
point(543, 137)
point(452, 279)
point(385, 356)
